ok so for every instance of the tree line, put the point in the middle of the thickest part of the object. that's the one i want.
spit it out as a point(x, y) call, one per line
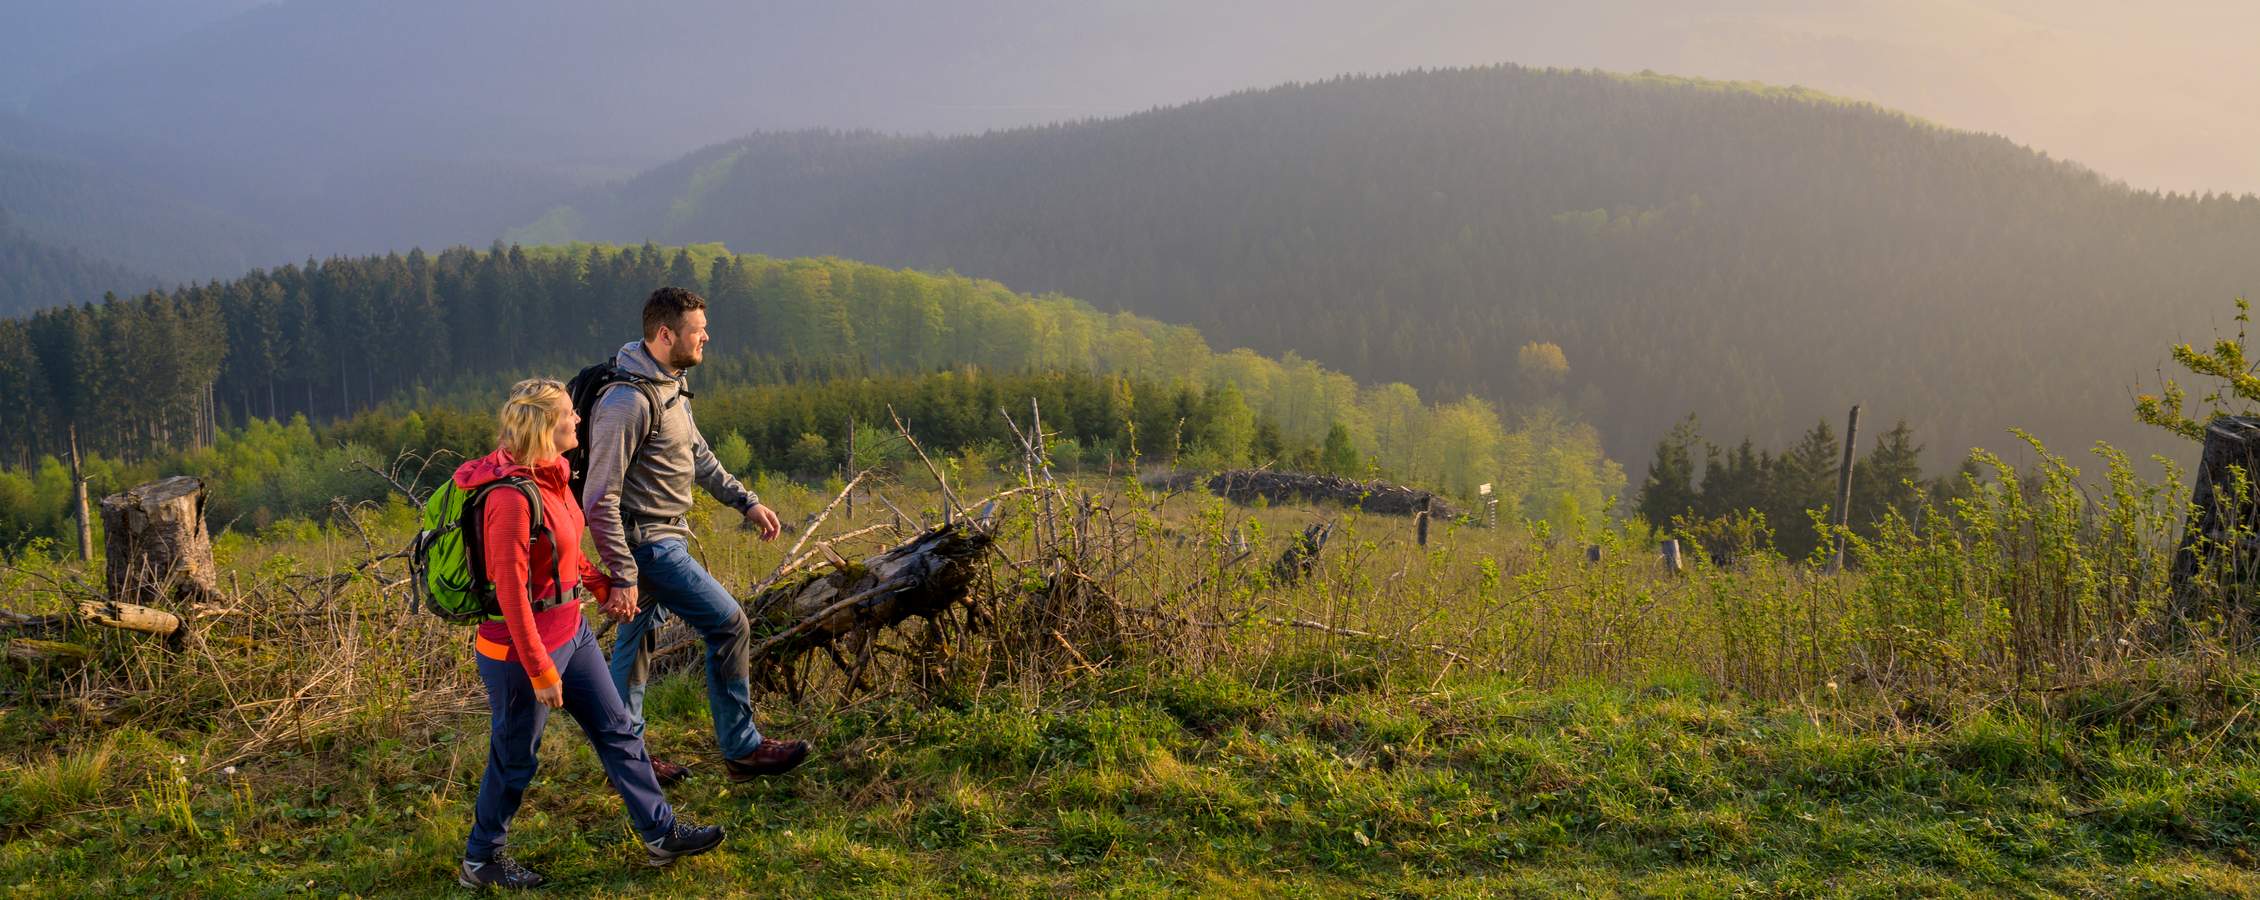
point(1692, 484)
point(265, 472)
point(139, 377)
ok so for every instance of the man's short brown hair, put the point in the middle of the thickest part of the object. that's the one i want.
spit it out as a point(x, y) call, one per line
point(665, 308)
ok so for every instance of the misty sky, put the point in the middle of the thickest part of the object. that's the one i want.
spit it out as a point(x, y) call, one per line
point(2161, 94)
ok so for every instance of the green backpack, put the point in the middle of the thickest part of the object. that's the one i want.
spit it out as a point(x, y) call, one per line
point(446, 571)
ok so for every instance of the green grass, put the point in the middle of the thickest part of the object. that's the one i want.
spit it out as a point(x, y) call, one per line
point(1139, 782)
point(1595, 730)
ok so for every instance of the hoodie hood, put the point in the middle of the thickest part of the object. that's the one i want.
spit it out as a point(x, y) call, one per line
point(637, 360)
point(499, 465)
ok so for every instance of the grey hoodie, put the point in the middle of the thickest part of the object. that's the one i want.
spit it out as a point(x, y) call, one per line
point(649, 485)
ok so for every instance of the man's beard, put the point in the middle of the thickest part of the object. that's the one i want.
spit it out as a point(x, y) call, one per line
point(682, 358)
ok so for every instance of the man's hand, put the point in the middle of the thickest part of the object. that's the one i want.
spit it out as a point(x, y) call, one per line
point(765, 519)
point(552, 696)
point(620, 604)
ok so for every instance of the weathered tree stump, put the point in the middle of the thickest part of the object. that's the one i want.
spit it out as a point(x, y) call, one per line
point(1300, 559)
point(155, 545)
point(2218, 562)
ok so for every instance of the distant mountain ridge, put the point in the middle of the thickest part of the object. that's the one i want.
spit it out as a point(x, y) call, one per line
point(1762, 257)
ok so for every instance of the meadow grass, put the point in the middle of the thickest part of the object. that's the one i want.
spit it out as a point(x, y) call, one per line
point(1487, 715)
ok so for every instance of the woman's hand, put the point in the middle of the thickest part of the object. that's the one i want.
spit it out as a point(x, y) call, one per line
point(552, 696)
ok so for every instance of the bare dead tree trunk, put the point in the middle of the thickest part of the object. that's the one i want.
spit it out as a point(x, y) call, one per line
point(156, 547)
point(78, 502)
point(1844, 488)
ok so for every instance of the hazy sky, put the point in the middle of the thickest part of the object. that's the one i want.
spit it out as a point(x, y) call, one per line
point(2160, 94)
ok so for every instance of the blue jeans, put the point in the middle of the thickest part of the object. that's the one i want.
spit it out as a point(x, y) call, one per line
point(672, 582)
point(515, 740)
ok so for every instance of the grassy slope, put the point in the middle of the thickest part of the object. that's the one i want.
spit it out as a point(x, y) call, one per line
point(1299, 764)
point(1141, 783)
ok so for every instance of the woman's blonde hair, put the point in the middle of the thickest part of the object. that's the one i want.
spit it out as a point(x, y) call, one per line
point(529, 417)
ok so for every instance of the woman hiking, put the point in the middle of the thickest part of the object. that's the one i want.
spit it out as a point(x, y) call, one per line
point(540, 656)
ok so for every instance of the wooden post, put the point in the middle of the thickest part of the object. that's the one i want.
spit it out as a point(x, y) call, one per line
point(1672, 563)
point(155, 545)
point(78, 502)
point(1420, 524)
point(1844, 488)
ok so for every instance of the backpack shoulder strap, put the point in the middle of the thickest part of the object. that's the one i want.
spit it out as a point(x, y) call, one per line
point(535, 528)
point(644, 386)
point(532, 494)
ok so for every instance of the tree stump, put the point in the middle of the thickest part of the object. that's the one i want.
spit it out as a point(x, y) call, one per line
point(2218, 562)
point(1300, 558)
point(154, 544)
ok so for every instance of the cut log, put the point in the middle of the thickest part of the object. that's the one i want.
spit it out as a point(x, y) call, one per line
point(133, 618)
point(2216, 566)
point(155, 545)
point(1244, 486)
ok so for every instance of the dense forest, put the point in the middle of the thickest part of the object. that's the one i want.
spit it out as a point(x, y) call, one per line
point(35, 275)
point(774, 418)
point(1760, 256)
point(149, 377)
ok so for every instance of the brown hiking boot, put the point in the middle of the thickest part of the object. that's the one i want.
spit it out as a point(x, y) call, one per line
point(771, 758)
point(669, 774)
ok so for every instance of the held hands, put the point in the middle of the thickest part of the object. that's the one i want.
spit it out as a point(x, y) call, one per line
point(765, 519)
point(620, 603)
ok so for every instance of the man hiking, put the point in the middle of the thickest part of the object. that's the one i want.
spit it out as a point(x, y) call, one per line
point(644, 455)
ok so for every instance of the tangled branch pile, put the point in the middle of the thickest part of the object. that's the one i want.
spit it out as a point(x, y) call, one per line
point(1245, 485)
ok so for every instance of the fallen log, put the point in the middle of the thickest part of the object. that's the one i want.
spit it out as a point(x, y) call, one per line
point(922, 577)
point(32, 650)
point(133, 618)
point(853, 601)
point(106, 613)
point(1246, 485)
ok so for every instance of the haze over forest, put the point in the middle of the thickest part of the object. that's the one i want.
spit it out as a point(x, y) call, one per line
point(2027, 281)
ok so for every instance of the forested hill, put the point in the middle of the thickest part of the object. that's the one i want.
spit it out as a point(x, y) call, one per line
point(1760, 257)
point(113, 212)
point(35, 275)
point(142, 377)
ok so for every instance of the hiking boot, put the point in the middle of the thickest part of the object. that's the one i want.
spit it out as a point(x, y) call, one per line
point(771, 758)
point(501, 871)
point(669, 774)
point(685, 839)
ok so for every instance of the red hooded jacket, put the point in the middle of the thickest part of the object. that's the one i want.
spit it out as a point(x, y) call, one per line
point(524, 635)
